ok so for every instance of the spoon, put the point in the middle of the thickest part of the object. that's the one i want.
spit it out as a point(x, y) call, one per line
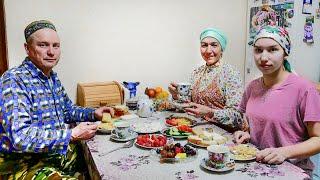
point(125, 145)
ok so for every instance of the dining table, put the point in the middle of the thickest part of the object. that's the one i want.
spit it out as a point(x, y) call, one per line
point(136, 163)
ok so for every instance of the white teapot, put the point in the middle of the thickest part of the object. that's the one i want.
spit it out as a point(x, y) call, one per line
point(145, 106)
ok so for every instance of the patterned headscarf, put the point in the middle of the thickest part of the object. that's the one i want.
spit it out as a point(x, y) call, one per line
point(278, 34)
point(37, 25)
point(217, 34)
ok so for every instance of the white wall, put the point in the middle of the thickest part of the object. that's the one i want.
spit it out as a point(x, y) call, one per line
point(151, 41)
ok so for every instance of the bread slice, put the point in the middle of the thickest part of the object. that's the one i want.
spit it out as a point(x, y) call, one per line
point(194, 139)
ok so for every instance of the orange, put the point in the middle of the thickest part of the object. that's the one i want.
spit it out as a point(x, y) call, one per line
point(158, 90)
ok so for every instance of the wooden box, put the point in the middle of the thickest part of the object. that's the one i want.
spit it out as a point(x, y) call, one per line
point(99, 94)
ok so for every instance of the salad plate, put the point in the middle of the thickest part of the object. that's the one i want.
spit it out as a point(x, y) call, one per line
point(175, 133)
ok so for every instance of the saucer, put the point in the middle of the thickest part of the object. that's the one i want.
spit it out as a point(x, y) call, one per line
point(205, 164)
point(133, 136)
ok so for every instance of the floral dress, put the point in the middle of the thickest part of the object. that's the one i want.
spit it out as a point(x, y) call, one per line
point(219, 87)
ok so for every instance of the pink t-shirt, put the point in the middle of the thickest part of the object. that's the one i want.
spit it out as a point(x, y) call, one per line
point(277, 116)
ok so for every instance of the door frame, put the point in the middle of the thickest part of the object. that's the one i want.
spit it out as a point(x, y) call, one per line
point(3, 40)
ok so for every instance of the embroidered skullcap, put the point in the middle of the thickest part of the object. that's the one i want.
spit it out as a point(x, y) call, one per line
point(217, 34)
point(37, 25)
point(278, 34)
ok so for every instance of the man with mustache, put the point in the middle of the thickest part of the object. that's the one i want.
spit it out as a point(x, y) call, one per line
point(35, 110)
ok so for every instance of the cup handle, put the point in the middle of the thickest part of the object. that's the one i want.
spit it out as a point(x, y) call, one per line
point(231, 157)
point(113, 132)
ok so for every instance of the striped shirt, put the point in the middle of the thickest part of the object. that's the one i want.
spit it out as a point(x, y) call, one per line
point(35, 111)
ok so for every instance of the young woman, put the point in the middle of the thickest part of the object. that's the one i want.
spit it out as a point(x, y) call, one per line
point(283, 109)
point(216, 86)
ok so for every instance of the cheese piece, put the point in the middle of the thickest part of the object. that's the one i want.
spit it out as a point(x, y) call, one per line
point(106, 117)
point(181, 155)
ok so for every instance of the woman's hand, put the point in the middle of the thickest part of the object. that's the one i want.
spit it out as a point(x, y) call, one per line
point(198, 110)
point(173, 90)
point(241, 137)
point(271, 156)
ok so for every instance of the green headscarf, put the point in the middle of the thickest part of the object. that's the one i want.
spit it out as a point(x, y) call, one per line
point(281, 36)
point(217, 34)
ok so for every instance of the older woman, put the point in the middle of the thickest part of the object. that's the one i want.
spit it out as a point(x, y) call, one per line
point(216, 86)
point(289, 130)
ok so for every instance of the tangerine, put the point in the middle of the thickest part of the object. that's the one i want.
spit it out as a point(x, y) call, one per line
point(158, 89)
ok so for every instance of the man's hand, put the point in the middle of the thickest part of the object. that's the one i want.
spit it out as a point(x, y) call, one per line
point(241, 137)
point(99, 112)
point(83, 131)
point(173, 90)
point(271, 156)
point(198, 110)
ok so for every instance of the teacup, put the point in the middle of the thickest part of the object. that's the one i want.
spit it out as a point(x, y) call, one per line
point(219, 156)
point(122, 130)
point(184, 91)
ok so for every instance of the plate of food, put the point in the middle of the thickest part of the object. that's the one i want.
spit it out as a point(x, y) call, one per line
point(105, 128)
point(243, 152)
point(177, 121)
point(120, 110)
point(151, 141)
point(174, 153)
point(204, 137)
point(147, 127)
point(178, 132)
point(106, 125)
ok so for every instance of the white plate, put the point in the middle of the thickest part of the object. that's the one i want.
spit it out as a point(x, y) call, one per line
point(134, 135)
point(157, 157)
point(242, 159)
point(147, 127)
point(230, 166)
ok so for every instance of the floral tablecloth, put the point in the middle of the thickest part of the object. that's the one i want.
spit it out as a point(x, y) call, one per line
point(136, 163)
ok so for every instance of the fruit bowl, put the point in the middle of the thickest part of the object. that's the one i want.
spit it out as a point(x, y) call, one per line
point(174, 153)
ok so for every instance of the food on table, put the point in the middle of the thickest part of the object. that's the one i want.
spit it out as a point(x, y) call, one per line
point(177, 121)
point(120, 110)
point(157, 93)
point(147, 127)
point(176, 151)
point(203, 137)
point(106, 122)
point(158, 89)
point(162, 95)
point(151, 140)
point(106, 117)
point(243, 152)
point(150, 92)
point(106, 126)
point(163, 105)
point(184, 128)
point(175, 132)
